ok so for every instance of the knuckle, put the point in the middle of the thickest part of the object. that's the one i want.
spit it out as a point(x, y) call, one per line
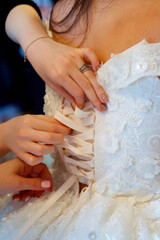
point(65, 62)
point(49, 138)
point(87, 85)
point(72, 55)
point(100, 88)
point(27, 117)
point(26, 120)
point(60, 76)
point(53, 129)
point(20, 133)
point(97, 103)
point(87, 50)
point(52, 148)
point(43, 165)
point(31, 160)
point(40, 150)
point(80, 94)
point(52, 73)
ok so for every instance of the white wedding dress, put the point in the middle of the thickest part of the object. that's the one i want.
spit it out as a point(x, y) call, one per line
point(122, 200)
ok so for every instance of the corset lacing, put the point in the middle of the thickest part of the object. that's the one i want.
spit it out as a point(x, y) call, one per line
point(76, 153)
point(77, 149)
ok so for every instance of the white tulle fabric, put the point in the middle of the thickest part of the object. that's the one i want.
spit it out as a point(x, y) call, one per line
point(123, 201)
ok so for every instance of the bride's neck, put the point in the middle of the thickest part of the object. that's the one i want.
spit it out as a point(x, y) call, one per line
point(115, 25)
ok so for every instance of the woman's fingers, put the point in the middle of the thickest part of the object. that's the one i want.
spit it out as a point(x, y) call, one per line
point(43, 172)
point(77, 85)
point(37, 137)
point(89, 56)
point(48, 124)
point(33, 151)
point(29, 184)
point(88, 89)
point(103, 97)
point(62, 91)
point(40, 149)
point(30, 158)
point(71, 83)
point(72, 88)
point(25, 195)
point(87, 80)
point(32, 183)
point(46, 137)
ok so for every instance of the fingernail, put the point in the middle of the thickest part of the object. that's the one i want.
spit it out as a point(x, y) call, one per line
point(73, 106)
point(103, 108)
point(27, 199)
point(98, 67)
point(95, 73)
point(80, 106)
point(105, 98)
point(16, 199)
point(45, 184)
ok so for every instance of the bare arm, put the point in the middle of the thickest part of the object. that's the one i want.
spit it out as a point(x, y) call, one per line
point(57, 64)
point(23, 25)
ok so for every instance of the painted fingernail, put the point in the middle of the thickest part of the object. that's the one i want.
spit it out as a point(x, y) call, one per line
point(95, 73)
point(27, 199)
point(105, 98)
point(103, 108)
point(80, 106)
point(16, 199)
point(45, 184)
point(98, 67)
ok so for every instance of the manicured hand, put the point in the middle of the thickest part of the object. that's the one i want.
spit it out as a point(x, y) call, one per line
point(15, 176)
point(24, 134)
point(58, 65)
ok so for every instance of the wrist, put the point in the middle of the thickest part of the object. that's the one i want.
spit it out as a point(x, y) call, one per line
point(40, 38)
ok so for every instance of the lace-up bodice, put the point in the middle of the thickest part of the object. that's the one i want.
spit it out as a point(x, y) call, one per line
point(119, 150)
point(127, 136)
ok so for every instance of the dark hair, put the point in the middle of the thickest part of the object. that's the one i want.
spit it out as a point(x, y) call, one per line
point(79, 9)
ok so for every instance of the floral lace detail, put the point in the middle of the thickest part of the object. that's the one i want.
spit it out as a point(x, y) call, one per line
point(24, 211)
point(53, 99)
point(125, 195)
point(130, 128)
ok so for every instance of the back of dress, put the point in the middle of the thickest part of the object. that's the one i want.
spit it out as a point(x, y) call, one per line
point(121, 161)
point(127, 136)
point(123, 200)
point(126, 141)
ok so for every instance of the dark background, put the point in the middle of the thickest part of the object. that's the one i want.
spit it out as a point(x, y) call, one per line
point(21, 89)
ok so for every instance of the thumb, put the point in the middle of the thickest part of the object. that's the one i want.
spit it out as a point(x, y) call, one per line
point(34, 184)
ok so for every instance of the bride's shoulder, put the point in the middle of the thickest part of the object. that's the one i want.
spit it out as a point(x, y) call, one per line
point(153, 22)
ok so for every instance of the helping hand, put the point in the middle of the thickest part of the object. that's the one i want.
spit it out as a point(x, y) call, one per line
point(15, 175)
point(24, 134)
point(59, 64)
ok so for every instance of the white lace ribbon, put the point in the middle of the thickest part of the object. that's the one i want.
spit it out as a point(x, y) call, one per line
point(77, 150)
point(76, 153)
point(54, 196)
